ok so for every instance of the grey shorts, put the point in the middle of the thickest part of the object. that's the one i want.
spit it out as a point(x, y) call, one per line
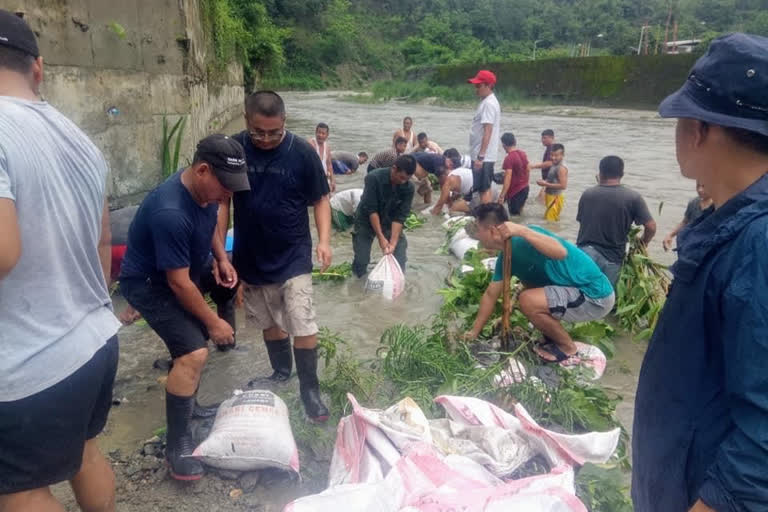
point(571, 305)
point(288, 305)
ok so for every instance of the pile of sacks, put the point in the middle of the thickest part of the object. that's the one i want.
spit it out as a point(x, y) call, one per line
point(397, 460)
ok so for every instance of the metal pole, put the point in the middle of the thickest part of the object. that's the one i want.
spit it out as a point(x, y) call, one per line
point(640, 43)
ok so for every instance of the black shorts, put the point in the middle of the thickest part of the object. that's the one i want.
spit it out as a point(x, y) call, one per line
point(179, 329)
point(515, 203)
point(42, 436)
point(481, 180)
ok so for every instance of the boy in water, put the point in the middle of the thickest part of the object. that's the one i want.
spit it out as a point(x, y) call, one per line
point(555, 184)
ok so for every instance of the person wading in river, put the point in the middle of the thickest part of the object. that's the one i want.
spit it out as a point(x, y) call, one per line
point(58, 349)
point(381, 214)
point(456, 191)
point(484, 134)
point(273, 243)
point(700, 436)
point(547, 140)
point(516, 175)
point(169, 241)
point(555, 184)
point(345, 162)
point(320, 143)
point(408, 134)
point(561, 283)
point(427, 146)
point(693, 211)
point(606, 214)
point(387, 157)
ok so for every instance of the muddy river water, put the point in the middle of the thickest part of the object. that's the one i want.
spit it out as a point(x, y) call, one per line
point(645, 142)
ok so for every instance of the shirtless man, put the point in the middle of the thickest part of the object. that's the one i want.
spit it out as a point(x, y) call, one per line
point(426, 145)
point(407, 133)
point(320, 143)
point(547, 140)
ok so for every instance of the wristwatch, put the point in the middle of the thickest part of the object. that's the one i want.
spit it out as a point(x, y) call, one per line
point(480, 158)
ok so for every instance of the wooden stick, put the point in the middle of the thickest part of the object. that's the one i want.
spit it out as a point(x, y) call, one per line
point(507, 276)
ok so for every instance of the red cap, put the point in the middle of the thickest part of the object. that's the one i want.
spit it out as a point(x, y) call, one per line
point(483, 77)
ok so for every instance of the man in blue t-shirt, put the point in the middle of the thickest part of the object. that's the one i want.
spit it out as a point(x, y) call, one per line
point(273, 243)
point(561, 282)
point(169, 241)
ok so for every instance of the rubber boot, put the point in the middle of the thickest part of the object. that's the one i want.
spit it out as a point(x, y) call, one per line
point(309, 386)
point(280, 358)
point(179, 444)
point(204, 411)
point(226, 311)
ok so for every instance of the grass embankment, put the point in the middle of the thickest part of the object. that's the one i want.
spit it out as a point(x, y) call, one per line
point(425, 92)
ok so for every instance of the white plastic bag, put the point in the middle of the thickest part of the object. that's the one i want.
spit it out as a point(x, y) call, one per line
point(251, 431)
point(386, 278)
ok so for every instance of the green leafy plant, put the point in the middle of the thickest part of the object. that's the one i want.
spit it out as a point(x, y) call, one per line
point(117, 29)
point(596, 332)
point(414, 220)
point(641, 290)
point(602, 489)
point(171, 145)
point(338, 272)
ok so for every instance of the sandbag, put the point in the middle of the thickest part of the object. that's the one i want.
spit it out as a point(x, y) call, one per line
point(251, 431)
point(461, 242)
point(589, 358)
point(386, 278)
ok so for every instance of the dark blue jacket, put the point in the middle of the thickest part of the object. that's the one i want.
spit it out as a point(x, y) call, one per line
point(701, 413)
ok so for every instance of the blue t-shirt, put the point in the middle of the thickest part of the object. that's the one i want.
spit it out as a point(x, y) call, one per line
point(536, 270)
point(431, 162)
point(170, 231)
point(273, 242)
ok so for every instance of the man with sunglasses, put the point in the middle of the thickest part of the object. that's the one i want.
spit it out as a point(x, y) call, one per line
point(273, 243)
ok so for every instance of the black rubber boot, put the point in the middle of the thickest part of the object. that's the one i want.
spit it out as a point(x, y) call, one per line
point(226, 311)
point(280, 358)
point(179, 444)
point(306, 369)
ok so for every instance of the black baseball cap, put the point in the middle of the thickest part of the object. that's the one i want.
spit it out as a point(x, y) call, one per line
point(15, 33)
point(728, 86)
point(227, 158)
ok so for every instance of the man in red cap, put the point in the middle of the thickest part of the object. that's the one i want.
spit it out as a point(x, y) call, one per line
point(484, 134)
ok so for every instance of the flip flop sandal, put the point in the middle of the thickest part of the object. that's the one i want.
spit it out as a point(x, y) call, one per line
point(560, 356)
point(551, 348)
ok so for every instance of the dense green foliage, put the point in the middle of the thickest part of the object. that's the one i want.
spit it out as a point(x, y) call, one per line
point(315, 43)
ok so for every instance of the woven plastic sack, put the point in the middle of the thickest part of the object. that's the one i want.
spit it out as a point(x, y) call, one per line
point(386, 278)
point(251, 431)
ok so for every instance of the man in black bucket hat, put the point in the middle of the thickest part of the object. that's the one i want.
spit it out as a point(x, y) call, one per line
point(169, 242)
point(700, 439)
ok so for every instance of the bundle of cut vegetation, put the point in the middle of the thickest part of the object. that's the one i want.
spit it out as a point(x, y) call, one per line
point(641, 290)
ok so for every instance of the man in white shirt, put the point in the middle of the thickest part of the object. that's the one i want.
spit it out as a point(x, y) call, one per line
point(484, 134)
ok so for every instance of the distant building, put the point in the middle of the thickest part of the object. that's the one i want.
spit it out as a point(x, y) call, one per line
point(684, 46)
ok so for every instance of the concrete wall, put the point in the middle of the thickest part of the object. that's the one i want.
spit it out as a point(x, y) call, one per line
point(117, 67)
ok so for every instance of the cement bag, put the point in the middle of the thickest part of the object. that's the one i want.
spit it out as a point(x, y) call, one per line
point(369, 442)
point(461, 242)
point(387, 278)
point(251, 431)
point(559, 449)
